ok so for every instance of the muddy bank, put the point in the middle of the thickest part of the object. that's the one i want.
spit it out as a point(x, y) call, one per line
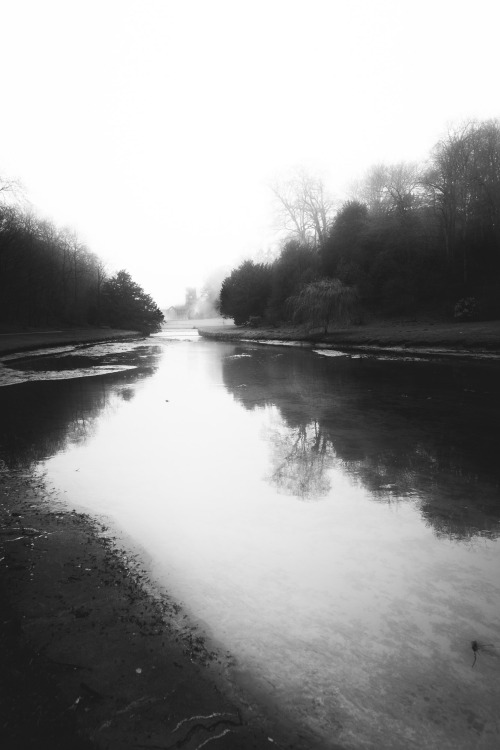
point(42, 339)
point(452, 339)
point(93, 657)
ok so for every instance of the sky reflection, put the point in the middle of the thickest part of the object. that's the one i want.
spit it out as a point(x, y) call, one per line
point(354, 610)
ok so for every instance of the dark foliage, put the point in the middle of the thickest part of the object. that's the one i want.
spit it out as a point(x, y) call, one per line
point(245, 292)
point(48, 277)
point(126, 305)
point(325, 301)
point(297, 265)
point(420, 240)
point(342, 252)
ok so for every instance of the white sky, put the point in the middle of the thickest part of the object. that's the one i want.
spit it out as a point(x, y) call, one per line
point(154, 127)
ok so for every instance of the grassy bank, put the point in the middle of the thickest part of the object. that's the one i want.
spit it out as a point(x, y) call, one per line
point(464, 339)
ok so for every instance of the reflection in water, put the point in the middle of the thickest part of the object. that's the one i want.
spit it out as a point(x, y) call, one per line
point(352, 614)
point(301, 457)
point(43, 417)
point(46, 417)
point(402, 429)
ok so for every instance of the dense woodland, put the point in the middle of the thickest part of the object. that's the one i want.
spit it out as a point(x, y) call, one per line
point(413, 239)
point(48, 277)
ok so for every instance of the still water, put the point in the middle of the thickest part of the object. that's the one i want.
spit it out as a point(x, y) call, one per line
point(333, 521)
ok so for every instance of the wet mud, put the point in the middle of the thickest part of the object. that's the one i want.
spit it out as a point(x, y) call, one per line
point(92, 657)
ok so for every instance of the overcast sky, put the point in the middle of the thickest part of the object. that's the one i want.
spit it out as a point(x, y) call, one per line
point(154, 127)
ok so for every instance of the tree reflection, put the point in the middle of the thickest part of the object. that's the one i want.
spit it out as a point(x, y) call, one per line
point(423, 431)
point(301, 457)
point(41, 418)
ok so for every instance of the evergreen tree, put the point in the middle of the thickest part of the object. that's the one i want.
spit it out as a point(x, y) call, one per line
point(126, 305)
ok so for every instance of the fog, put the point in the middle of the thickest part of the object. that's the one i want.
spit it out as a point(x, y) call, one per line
point(155, 129)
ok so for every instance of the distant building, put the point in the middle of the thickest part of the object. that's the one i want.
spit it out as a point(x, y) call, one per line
point(176, 312)
point(191, 298)
point(186, 311)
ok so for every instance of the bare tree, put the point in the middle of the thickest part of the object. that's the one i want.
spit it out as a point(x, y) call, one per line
point(394, 188)
point(305, 209)
point(463, 186)
point(9, 189)
point(100, 277)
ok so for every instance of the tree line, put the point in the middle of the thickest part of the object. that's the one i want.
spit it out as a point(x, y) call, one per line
point(49, 277)
point(412, 239)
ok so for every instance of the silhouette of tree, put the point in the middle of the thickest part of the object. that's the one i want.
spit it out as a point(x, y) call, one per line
point(343, 250)
point(464, 188)
point(304, 207)
point(245, 292)
point(297, 265)
point(126, 305)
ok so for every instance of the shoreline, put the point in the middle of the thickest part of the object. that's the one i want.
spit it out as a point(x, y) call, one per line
point(20, 341)
point(95, 656)
point(477, 340)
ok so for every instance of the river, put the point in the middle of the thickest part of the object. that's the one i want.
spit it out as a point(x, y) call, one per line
point(332, 521)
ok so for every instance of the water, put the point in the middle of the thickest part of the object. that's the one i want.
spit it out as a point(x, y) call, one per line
point(333, 521)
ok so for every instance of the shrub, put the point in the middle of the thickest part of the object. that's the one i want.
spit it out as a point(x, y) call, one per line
point(466, 308)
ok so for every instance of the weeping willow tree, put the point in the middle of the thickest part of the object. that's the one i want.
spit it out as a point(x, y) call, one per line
point(323, 302)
